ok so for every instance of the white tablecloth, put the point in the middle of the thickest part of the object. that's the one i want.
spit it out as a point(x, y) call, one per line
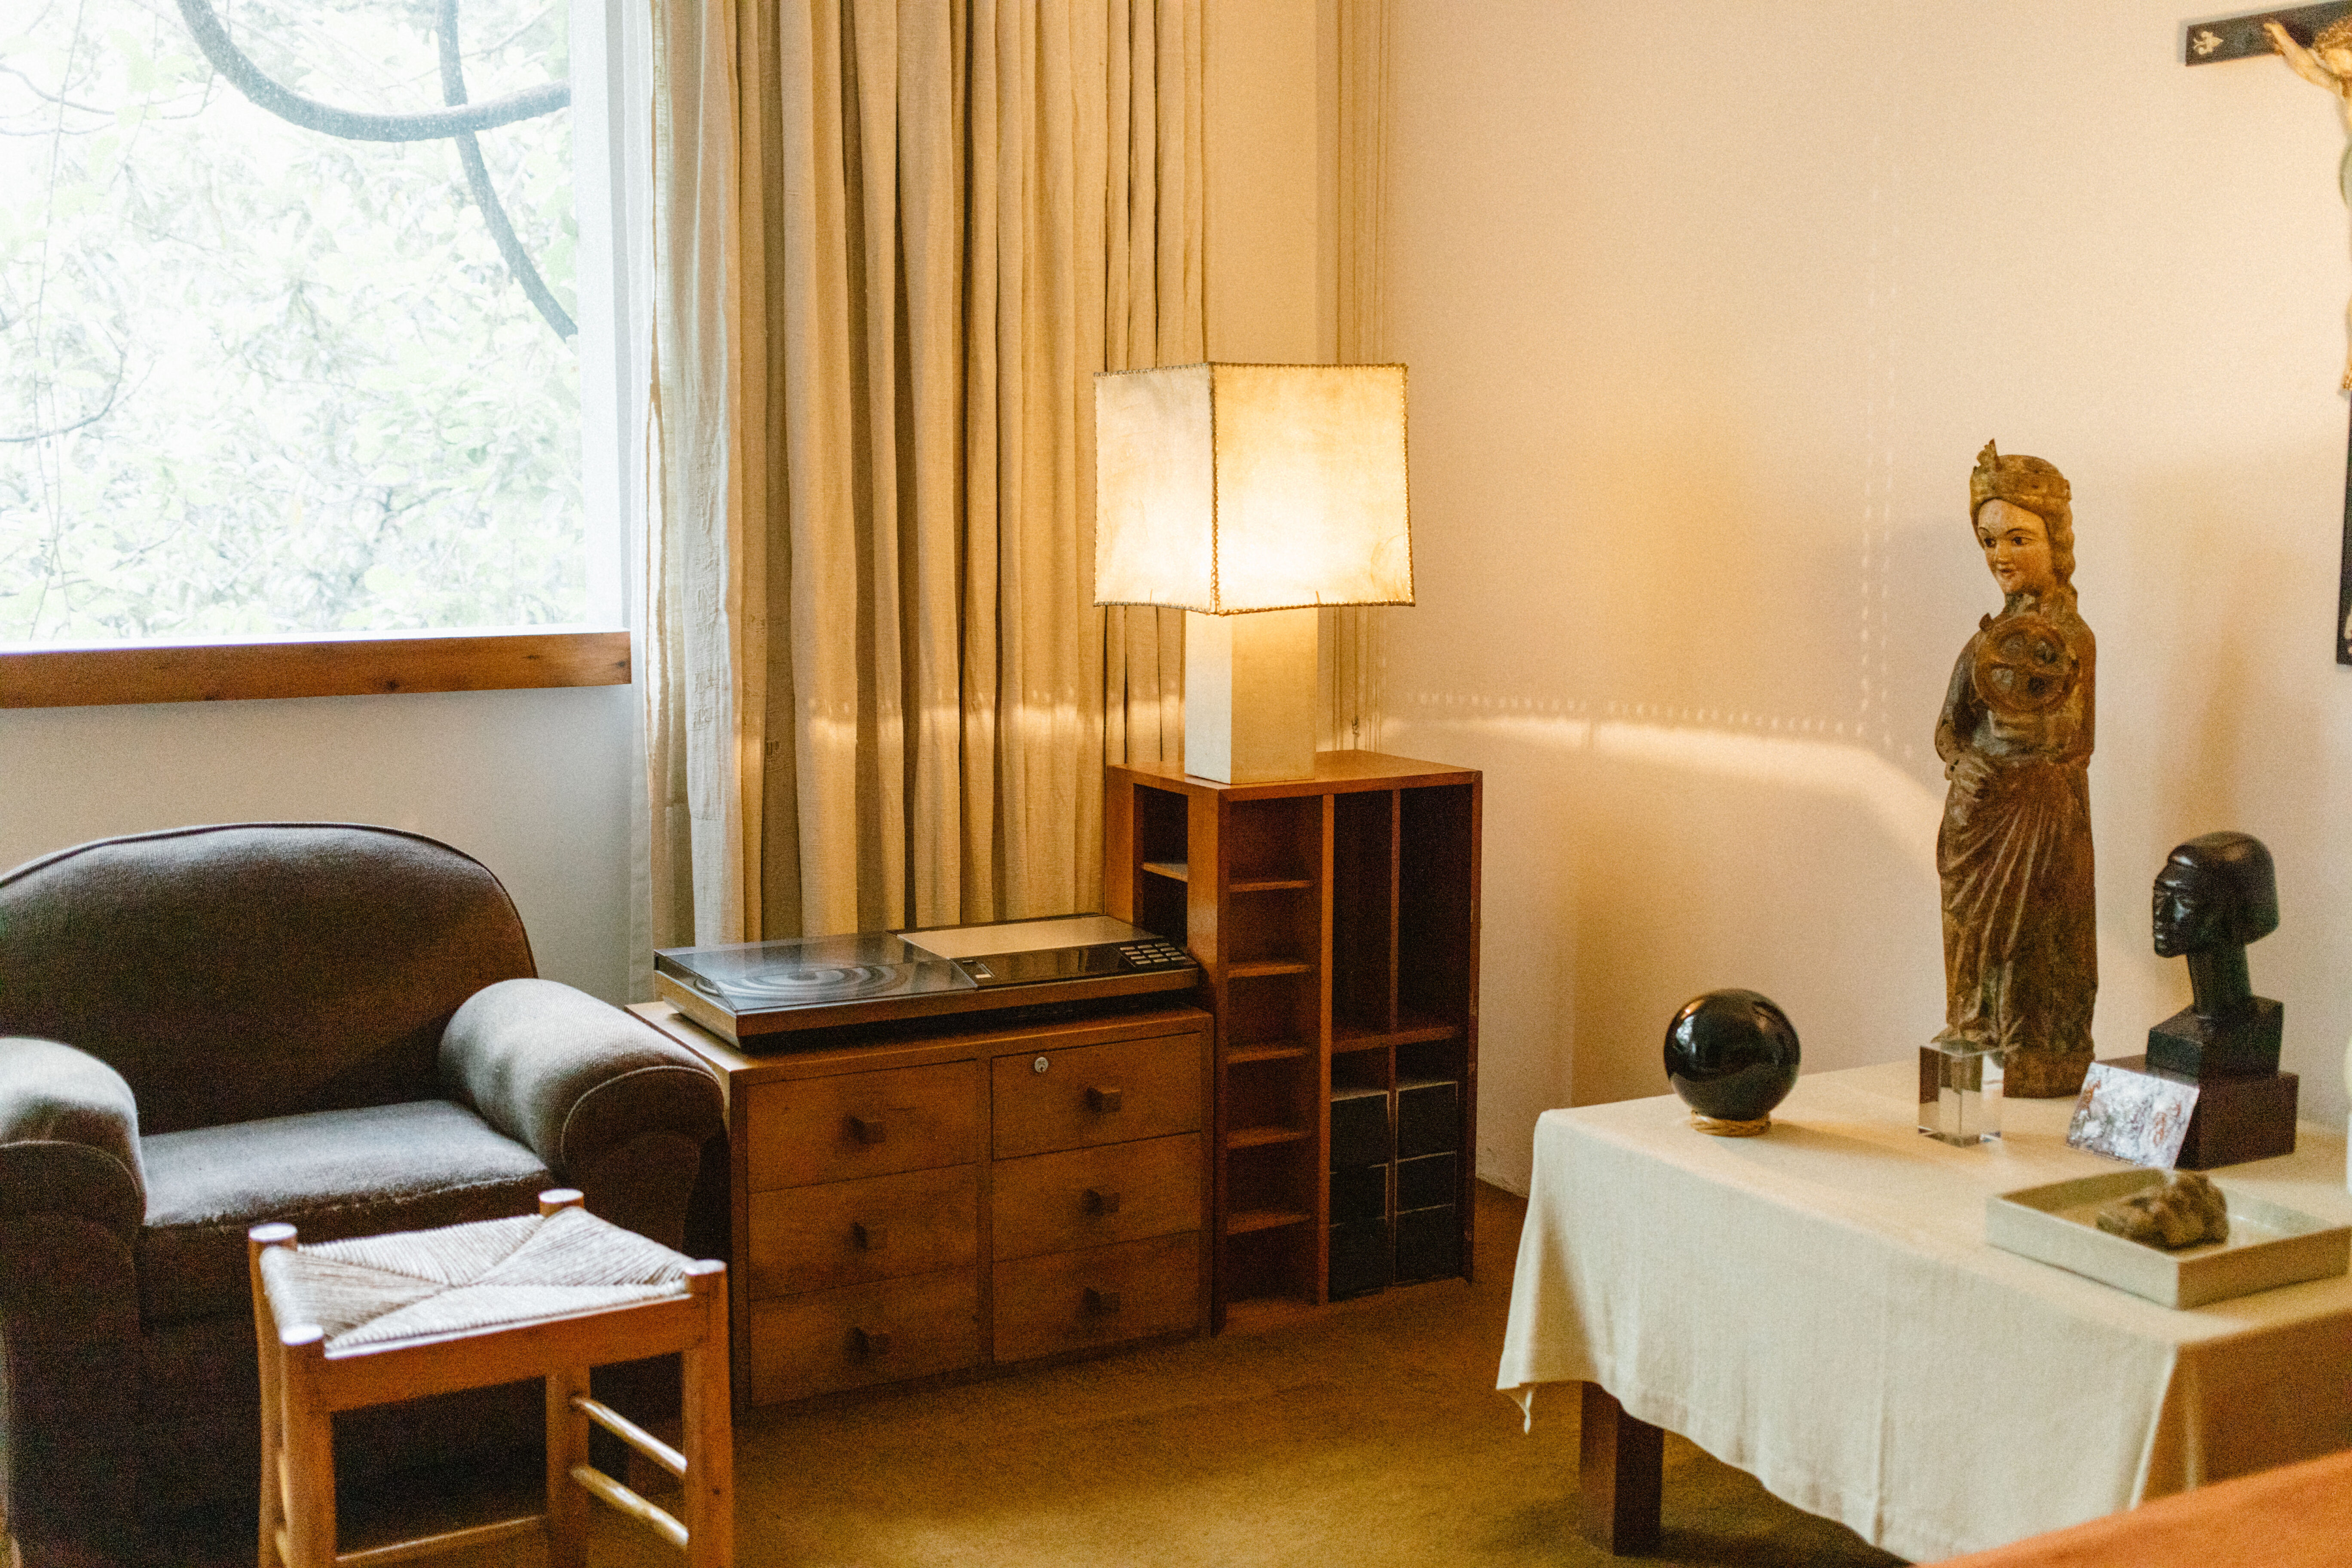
point(1819, 1307)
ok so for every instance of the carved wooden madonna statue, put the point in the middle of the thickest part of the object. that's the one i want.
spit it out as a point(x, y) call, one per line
point(2021, 958)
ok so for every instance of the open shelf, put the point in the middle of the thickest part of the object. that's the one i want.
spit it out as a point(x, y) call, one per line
point(1259, 1137)
point(1259, 968)
point(1240, 1222)
point(1336, 919)
point(1270, 1051)
point(1409, 1031)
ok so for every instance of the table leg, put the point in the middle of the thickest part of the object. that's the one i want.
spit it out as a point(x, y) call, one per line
point(1620, 1476)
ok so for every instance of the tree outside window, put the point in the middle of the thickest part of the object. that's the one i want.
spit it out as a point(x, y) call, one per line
point(285, 319)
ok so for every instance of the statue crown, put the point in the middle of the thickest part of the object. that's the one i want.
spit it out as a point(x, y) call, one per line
point(2029, 482)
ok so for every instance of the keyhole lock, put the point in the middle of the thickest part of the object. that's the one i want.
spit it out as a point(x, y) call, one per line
point(1039, 1065)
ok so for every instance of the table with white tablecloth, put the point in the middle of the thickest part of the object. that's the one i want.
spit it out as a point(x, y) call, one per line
point(1819, 1307)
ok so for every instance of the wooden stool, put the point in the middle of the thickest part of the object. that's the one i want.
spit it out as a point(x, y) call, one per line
point(347, 1324)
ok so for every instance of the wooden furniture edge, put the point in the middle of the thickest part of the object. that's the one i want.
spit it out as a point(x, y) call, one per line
point(781, 1062)
point(322, 666)
point(1335, 772)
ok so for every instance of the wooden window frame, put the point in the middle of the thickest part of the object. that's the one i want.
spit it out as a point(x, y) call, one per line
point(369, 664)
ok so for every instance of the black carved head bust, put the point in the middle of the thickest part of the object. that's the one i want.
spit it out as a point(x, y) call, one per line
point(2219, 889)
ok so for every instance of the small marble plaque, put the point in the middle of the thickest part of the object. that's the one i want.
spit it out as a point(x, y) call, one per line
point(2132, 1116)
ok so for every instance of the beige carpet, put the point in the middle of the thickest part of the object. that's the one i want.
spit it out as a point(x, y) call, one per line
point(1366, 1437)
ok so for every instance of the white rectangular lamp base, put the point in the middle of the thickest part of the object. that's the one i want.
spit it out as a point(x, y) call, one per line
point(1249, 696)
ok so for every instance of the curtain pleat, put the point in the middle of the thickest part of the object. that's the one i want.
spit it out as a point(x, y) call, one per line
point(1355, 668)
point(702, 741)
point(951, 213)
point(1153, 316)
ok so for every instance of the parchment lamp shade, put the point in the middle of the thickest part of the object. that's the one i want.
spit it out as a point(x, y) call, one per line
point(1250, 495)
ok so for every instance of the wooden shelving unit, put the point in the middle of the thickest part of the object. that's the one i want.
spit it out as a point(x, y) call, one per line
point(1336, 918)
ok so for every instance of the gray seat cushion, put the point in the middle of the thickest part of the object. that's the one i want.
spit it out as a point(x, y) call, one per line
point(329, 1174)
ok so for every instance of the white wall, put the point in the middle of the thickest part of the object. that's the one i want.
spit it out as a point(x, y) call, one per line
point(537, 785)
point(1270, 267)
point(1708, 318)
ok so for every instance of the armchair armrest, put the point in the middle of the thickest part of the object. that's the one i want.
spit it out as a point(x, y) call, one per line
point(603, 1098)
point(73, 1198)
point(68, 1138)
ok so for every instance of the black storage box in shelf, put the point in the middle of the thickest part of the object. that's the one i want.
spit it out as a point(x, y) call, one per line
point(1426, 1182)
point(1428, 1243)
point(1360, 1259)
point(1359, 1128)
point(1361, 1193)
point(1429, 1117)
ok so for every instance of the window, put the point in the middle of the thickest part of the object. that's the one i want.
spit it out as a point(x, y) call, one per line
point(309, 365)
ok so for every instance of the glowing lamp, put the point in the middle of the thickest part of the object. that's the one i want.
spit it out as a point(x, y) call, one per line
point(1250, 495)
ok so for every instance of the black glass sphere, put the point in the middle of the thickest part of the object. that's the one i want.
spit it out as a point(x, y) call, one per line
point(1732, 1055)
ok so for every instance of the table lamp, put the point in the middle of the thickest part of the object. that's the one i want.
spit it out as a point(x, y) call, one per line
point(1250, 495)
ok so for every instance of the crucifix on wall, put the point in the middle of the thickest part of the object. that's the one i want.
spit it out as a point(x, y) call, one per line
point(2315, 42)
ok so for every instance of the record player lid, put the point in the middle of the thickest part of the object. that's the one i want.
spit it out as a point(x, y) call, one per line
point(812, 971)
point(765, 988)
point(1023, 936)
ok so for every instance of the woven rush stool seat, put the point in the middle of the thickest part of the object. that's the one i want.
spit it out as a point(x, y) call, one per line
point(346, 1324)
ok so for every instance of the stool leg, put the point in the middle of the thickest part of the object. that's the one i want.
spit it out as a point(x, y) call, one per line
point(273, 1388)
point(567, 1437)
point(273, 1451)
point(567, 1444)
point(709, 1428)
point(310, 1452)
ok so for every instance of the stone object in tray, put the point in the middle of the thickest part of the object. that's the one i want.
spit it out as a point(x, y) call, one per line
point(2186, 1210)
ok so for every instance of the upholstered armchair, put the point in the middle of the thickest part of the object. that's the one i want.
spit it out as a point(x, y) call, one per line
point(332, 1025)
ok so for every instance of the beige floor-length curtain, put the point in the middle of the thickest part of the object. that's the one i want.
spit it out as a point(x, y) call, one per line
point(941, 218)
point(1354, 664)
point(700, 632)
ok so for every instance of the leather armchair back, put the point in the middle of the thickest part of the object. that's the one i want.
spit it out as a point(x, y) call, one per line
point(236, 972)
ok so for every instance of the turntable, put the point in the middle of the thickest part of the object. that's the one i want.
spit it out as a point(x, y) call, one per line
point(769, 994)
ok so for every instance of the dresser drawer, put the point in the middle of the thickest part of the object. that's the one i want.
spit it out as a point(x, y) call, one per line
point(863, 1334)
point(1069, 1300)
point(862, 1124)
point(1087, 1197)
point(846, 1232)
point(1098, 1094)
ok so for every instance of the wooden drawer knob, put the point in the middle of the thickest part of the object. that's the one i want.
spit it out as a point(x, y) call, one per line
point(868, 1344)
point(1103, 1099)
point(1101, 1303)
point(1102, 1202)
point(869, 1129)
point(870, 1237)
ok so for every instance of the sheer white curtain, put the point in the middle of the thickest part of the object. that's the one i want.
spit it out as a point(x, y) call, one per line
point(899, 235)
point(1354, 642)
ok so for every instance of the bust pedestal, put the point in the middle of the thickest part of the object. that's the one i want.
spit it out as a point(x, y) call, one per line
point(2237, 1119)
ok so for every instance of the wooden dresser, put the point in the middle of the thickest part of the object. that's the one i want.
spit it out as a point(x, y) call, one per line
point(952, 1202)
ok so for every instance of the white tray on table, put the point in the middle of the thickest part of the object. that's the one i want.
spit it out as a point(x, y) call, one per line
point(2269, 1245)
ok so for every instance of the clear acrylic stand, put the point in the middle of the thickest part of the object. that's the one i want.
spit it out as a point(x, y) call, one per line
point(1959, 1093)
